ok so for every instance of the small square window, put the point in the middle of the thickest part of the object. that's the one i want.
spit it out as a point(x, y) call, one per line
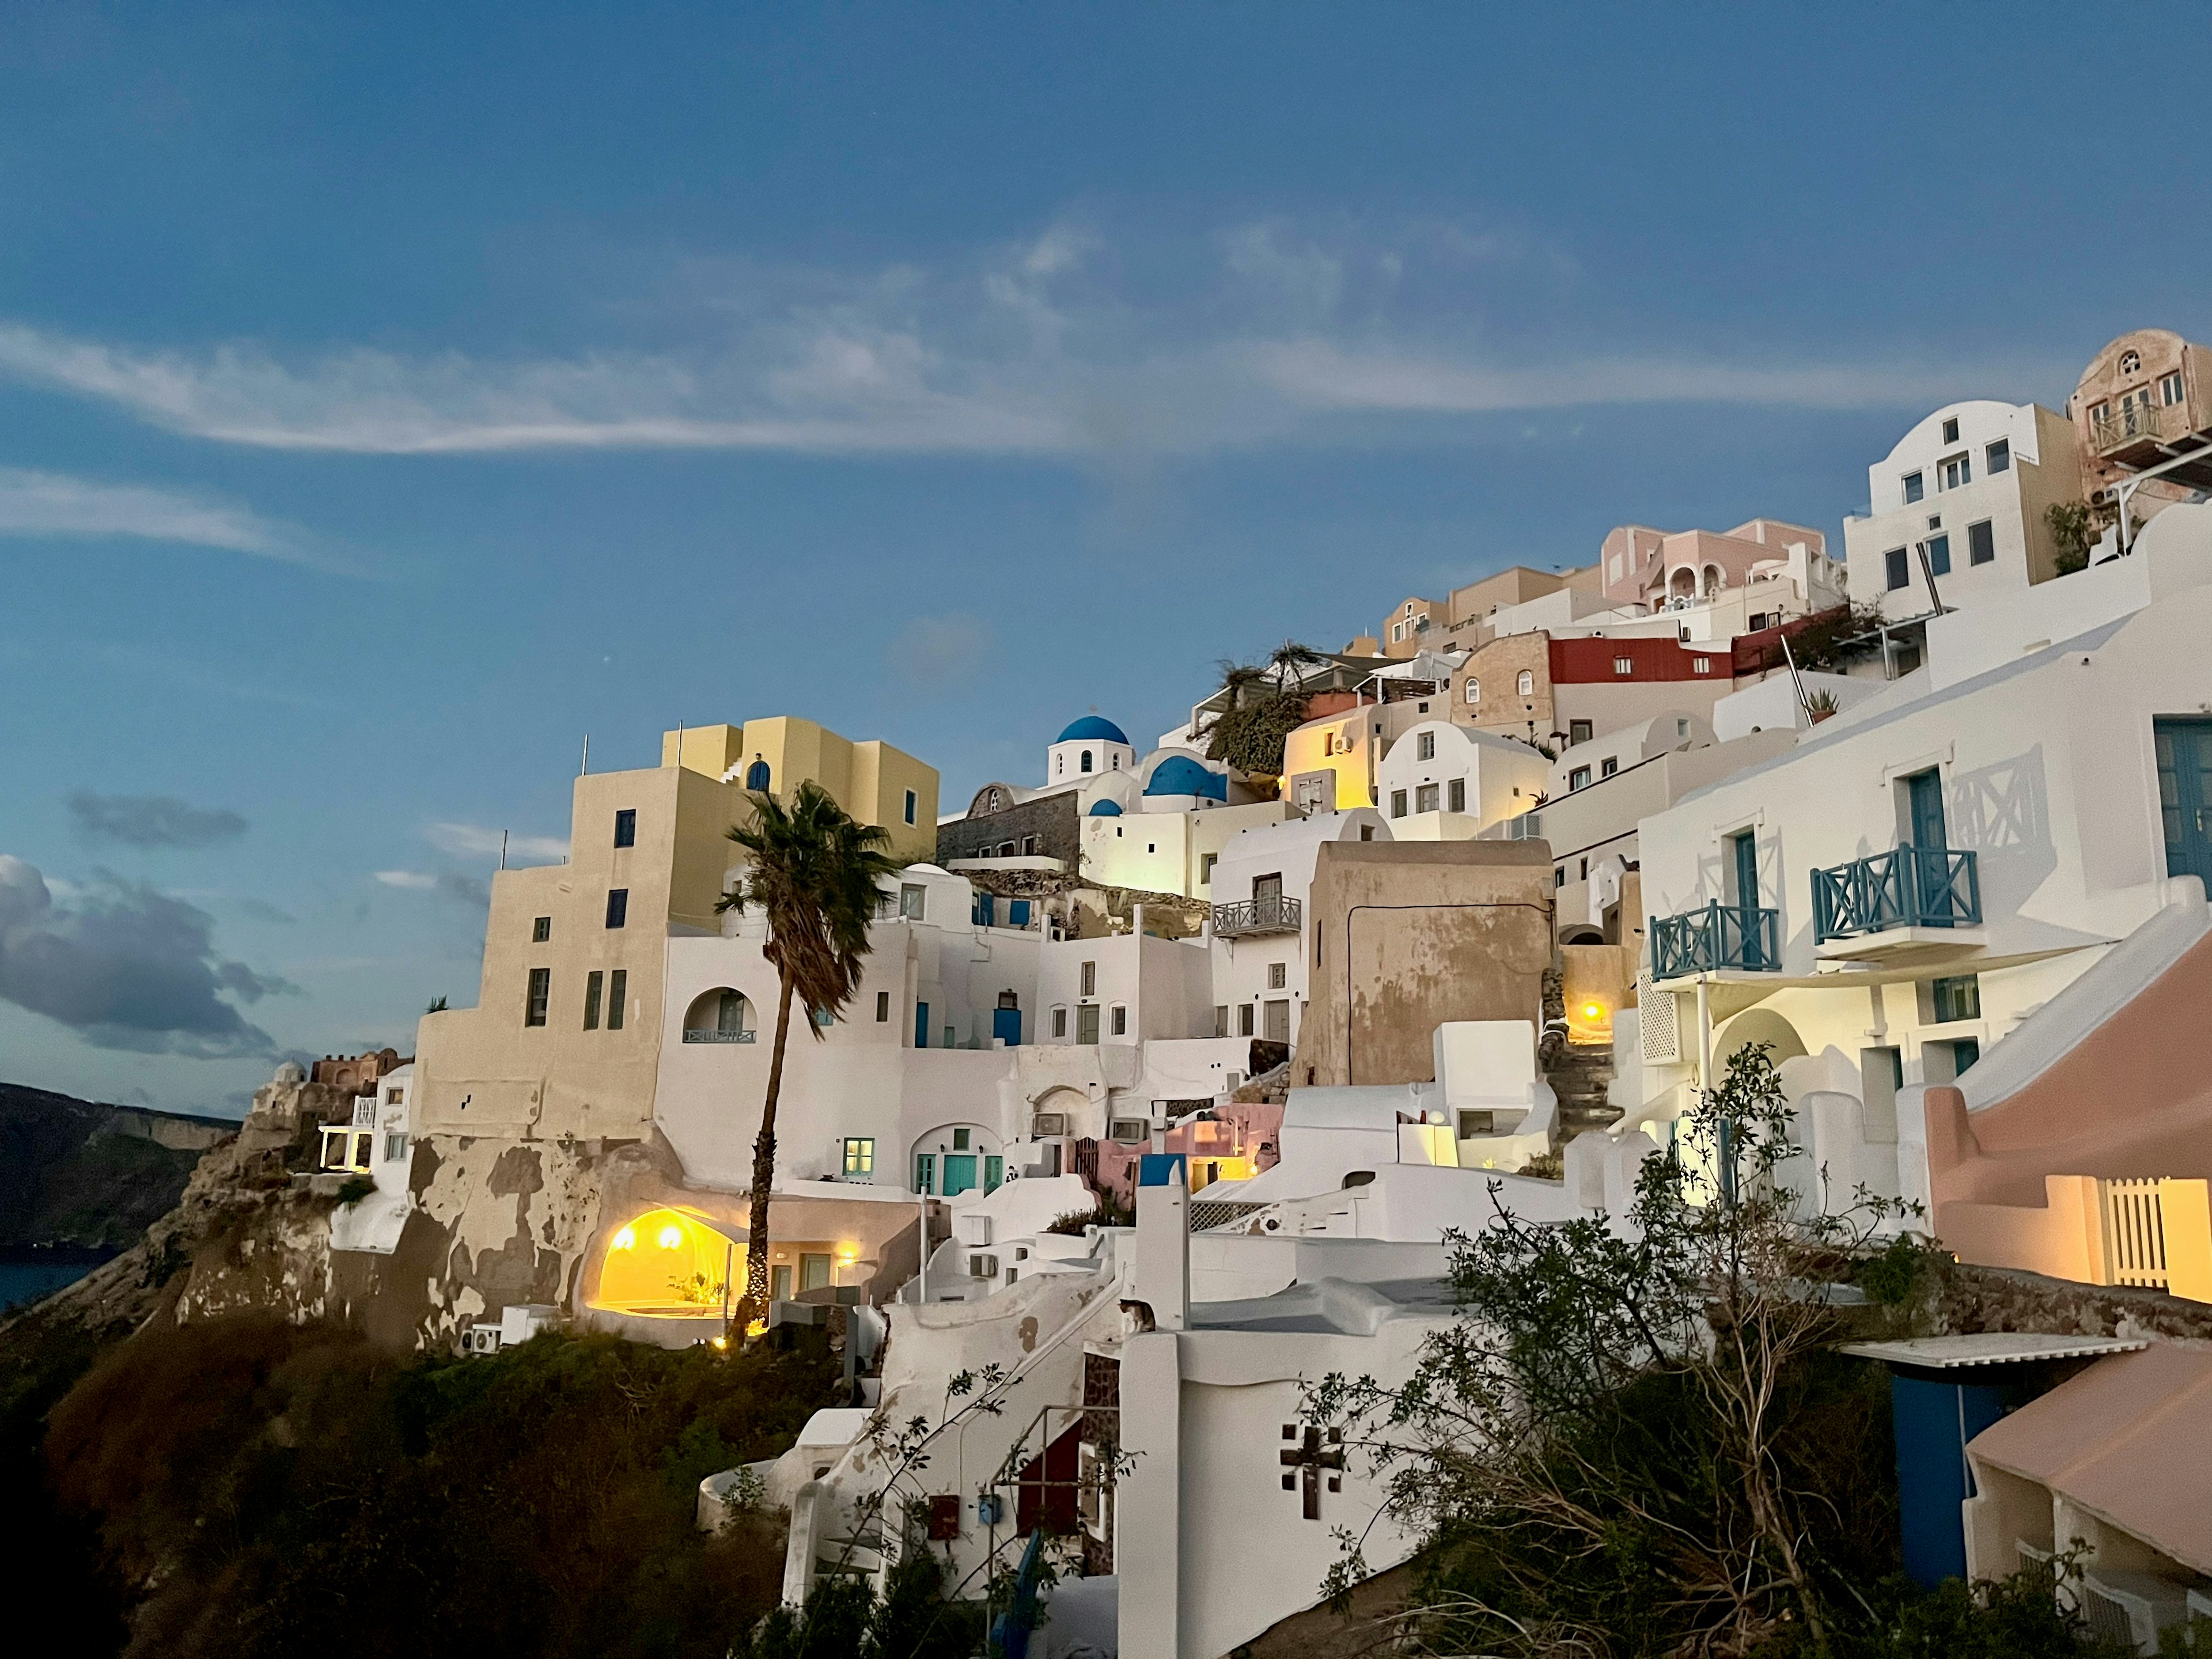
point(1579, 778)
point(1981, 542)
point(1957, 471)
point(1998, 456)
point(1624, 664)
point(1579, 731)
point(1894, 572)
point(395, 1147)
point(1559, 876)
point(913, 804)
point(1424, 746)
point(1397, 803)
point(1120, 1020)
point(1425, 797)
point(2169, 389)
point(960, 1139)
point(618, 907)
point(1278, 975)
point(1951, 430)
point(1939, 554)
point(541, 930)
point(1702, 665)
point(1913, 491)
point(1608, 766)
point(861, 1157)
point(911, 902)
point(1455, 794)
point(626, 827)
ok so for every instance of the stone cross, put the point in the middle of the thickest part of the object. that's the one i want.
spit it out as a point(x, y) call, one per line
point(1305, 1463)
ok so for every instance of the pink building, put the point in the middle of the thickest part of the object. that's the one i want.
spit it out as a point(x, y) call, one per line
point(1647, 568)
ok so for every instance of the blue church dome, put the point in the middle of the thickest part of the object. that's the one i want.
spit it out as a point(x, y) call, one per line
point(1107, 808)
point(1094, 727)
point(1179, 774)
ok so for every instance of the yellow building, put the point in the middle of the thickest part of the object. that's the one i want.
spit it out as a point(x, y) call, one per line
point(1168, 851)
point(873, 781)
point(565, 1037)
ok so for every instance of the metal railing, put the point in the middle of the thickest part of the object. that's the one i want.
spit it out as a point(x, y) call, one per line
point(712, 1035)
point(1719, 936)
point(2130, 424)
point(1268, 915)
point(1905, 887)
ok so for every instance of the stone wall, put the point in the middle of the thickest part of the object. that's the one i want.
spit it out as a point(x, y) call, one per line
point(1051, 819)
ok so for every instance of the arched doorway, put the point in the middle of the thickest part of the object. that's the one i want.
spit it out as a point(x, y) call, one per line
point(672, 1264)
point(720, 1015)
point(756, 775)
point(1756, 1026)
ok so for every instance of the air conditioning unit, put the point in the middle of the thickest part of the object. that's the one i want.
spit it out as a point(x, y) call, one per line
point(1658, 1023)
point(480, 1340)
point(1049, 1124)
point(974, 1228)
point(982, 1267)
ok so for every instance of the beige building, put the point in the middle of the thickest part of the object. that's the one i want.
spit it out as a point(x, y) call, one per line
point(1408, 935)
point(2144, 401)
point(565, 1037)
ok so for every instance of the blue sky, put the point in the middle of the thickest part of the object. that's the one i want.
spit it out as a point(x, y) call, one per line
point(390, 397)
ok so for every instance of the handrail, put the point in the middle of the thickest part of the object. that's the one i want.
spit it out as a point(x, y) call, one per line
point(1718, 935)
point(1270, 915)
point(712, 1033)
point(2126, 425)
point(1907, 886)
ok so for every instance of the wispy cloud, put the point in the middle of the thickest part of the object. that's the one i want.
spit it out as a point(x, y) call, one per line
point(474, 839)
point(54, 504)
point(413, 880)
point(151, 820)
point(1071, 344)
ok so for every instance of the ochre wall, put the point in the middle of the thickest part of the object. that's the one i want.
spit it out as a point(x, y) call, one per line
point(1411, 934)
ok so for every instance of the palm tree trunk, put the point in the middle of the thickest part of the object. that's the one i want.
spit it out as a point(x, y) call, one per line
point(755, 1305)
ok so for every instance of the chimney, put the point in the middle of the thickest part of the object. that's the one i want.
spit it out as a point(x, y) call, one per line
point(1162, 1279)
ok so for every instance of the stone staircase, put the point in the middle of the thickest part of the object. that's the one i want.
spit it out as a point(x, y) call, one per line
point(1579, 1078)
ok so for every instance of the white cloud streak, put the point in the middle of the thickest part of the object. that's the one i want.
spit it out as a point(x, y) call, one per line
point(1265, 335)
point(54, 504)
point(412, 880)
point(465, 840)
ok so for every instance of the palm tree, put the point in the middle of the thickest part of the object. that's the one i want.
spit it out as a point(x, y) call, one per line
point(1291, 659)
point(814, 873)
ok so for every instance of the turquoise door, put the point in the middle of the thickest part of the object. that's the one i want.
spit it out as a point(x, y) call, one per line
point(994, 1173)
point(1924, 799)
point(1745, 846)
point(921, 1025)
point(1931, 902)
point(959, 1173)
point(925, 1172)
point(2184, 795)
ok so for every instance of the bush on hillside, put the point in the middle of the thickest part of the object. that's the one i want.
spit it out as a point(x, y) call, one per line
point(276, 1490)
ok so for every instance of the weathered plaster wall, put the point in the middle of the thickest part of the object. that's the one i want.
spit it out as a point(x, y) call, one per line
point(1411, 934)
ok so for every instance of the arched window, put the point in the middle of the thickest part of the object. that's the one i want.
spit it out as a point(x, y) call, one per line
point(757, 776)
point(1086, 760)
point(2131, 361)
point(1473, 688)
point(1527, 684)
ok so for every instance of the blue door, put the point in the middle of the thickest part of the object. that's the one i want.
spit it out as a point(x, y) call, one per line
point(1747, 897)
point(921, 1025)
point(959, 1173)
point(1007, 1022)
point(1930, 873)
point(1932, 1421)
point(2184, 795)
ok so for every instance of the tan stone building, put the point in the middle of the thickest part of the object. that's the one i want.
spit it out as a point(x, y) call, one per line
point(1408, 935)
point(564, 1040)
point(2144, 401)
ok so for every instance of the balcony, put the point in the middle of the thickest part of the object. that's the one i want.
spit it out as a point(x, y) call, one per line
point(711, 1035)
point(1253, 916)
point(2117, 434)
point(1717, 937)
point(1911, 898)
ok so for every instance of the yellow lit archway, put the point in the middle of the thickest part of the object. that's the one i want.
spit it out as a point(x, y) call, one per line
point(672, 1264)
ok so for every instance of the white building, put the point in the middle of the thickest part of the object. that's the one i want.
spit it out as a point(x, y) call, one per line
point(1962, 498)
point(1443, 782)
point(1909, 881)
point(377, 1142)
point(1087, 747)
point(1259, 928)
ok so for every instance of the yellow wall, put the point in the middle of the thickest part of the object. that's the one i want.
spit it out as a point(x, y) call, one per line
point(1356, 754)
point(869, 780)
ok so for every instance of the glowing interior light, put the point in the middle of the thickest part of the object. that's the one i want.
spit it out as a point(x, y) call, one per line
point(626, 1239)
point(1593, 1010)
point(670, 1236)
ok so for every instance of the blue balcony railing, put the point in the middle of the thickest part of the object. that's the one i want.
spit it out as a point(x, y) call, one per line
point(1905, 887)
point(1719, 936)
